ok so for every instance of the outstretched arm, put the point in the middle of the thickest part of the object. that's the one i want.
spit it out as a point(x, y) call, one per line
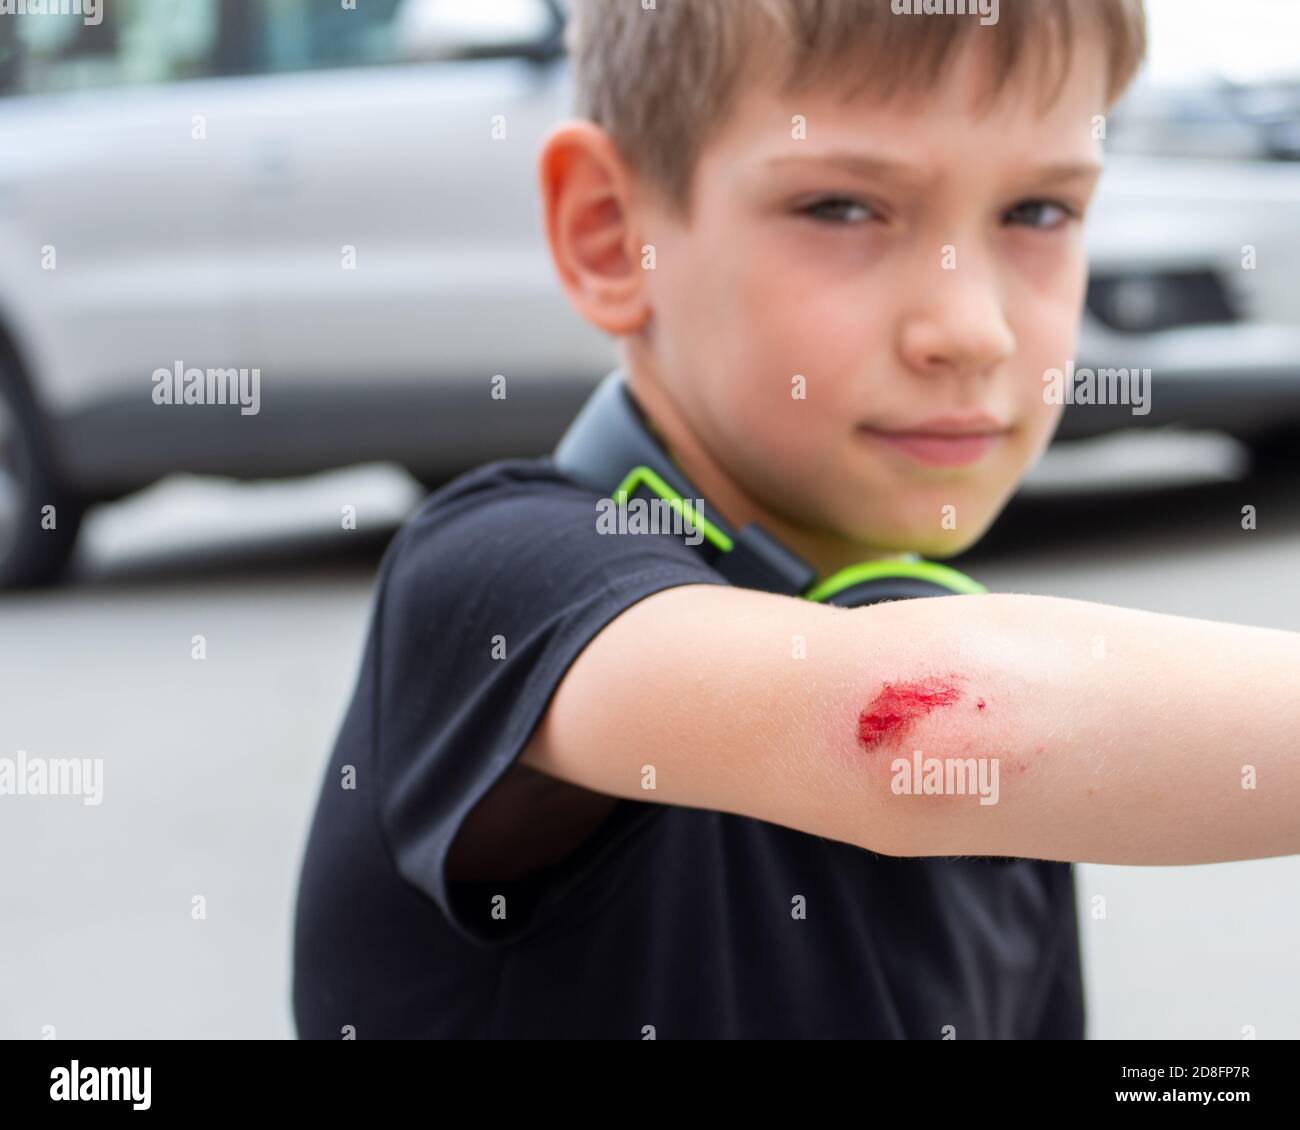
point(1077, 731)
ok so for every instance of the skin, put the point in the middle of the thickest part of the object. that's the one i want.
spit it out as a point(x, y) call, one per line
point(1141, 757)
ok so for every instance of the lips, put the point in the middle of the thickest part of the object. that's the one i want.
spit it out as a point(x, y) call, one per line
point(940, 448)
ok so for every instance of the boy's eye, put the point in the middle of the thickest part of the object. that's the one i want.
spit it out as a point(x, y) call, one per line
point(1042, 215)
point(839, 210)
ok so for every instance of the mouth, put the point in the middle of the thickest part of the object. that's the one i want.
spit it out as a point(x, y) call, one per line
point(940, 447)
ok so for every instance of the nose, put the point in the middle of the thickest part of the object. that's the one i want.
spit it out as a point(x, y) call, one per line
point(956, 324)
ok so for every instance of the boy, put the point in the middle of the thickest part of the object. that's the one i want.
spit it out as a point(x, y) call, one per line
point(589, 788)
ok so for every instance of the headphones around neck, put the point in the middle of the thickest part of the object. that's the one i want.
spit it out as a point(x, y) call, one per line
point(610, 448)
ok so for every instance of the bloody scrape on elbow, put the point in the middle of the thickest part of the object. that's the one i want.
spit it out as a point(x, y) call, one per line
point(899, 706)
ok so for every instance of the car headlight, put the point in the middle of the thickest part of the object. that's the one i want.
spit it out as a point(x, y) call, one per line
point(1134, 302)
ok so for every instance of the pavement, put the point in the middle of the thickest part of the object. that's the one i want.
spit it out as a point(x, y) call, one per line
point(165, 911)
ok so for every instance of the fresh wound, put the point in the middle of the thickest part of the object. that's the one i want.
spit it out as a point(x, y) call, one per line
point(899, 705)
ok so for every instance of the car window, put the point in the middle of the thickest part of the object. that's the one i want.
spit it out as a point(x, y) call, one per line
point(131, 42)
point(134, 42)
point(298, 35)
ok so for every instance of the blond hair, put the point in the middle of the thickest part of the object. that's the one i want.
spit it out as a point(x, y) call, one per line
point(660, 77)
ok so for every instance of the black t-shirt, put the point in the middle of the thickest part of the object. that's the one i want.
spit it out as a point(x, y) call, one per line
point(677, 921)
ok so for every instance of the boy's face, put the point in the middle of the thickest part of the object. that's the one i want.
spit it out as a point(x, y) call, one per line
point(920, 265)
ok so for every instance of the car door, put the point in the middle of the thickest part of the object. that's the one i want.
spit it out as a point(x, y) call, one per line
point(391, 229)
point(115, 229)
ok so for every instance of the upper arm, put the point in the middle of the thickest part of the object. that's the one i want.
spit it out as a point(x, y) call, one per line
point(732, 700)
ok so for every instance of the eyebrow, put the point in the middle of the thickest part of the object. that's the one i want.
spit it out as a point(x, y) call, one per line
point(862, 164)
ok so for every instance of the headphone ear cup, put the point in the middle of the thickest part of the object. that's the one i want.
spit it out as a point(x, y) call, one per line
point(880, 589)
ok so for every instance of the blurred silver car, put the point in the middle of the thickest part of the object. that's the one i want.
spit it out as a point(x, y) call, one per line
point(219, 254)
point(1194, 242)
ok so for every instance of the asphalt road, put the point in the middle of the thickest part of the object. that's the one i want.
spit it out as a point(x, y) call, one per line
point(211, 766)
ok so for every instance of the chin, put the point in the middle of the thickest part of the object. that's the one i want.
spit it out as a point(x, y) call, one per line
point(932, 543)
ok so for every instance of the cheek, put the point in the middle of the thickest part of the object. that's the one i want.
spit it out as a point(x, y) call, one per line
point(1047, 333)
point(811, 360)
point(811, 296)
point(1038, 422)
point(1055, 267)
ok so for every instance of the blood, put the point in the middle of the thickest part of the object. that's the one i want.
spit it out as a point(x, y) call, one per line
point(900, 705)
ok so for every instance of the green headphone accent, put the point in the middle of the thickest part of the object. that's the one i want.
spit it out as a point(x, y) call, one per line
point(647, 476)
point(930, 572)
point(610, 435)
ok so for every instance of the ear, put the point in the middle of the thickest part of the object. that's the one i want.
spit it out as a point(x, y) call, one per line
point(586, 197)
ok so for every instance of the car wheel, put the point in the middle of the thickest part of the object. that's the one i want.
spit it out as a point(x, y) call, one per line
point(430, 481)
point(38, 519)
point(1277, 451)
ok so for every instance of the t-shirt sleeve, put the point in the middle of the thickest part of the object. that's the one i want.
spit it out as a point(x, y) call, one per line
point(487, 598)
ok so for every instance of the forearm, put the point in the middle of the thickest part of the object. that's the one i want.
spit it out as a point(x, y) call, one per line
point(1100, 734)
